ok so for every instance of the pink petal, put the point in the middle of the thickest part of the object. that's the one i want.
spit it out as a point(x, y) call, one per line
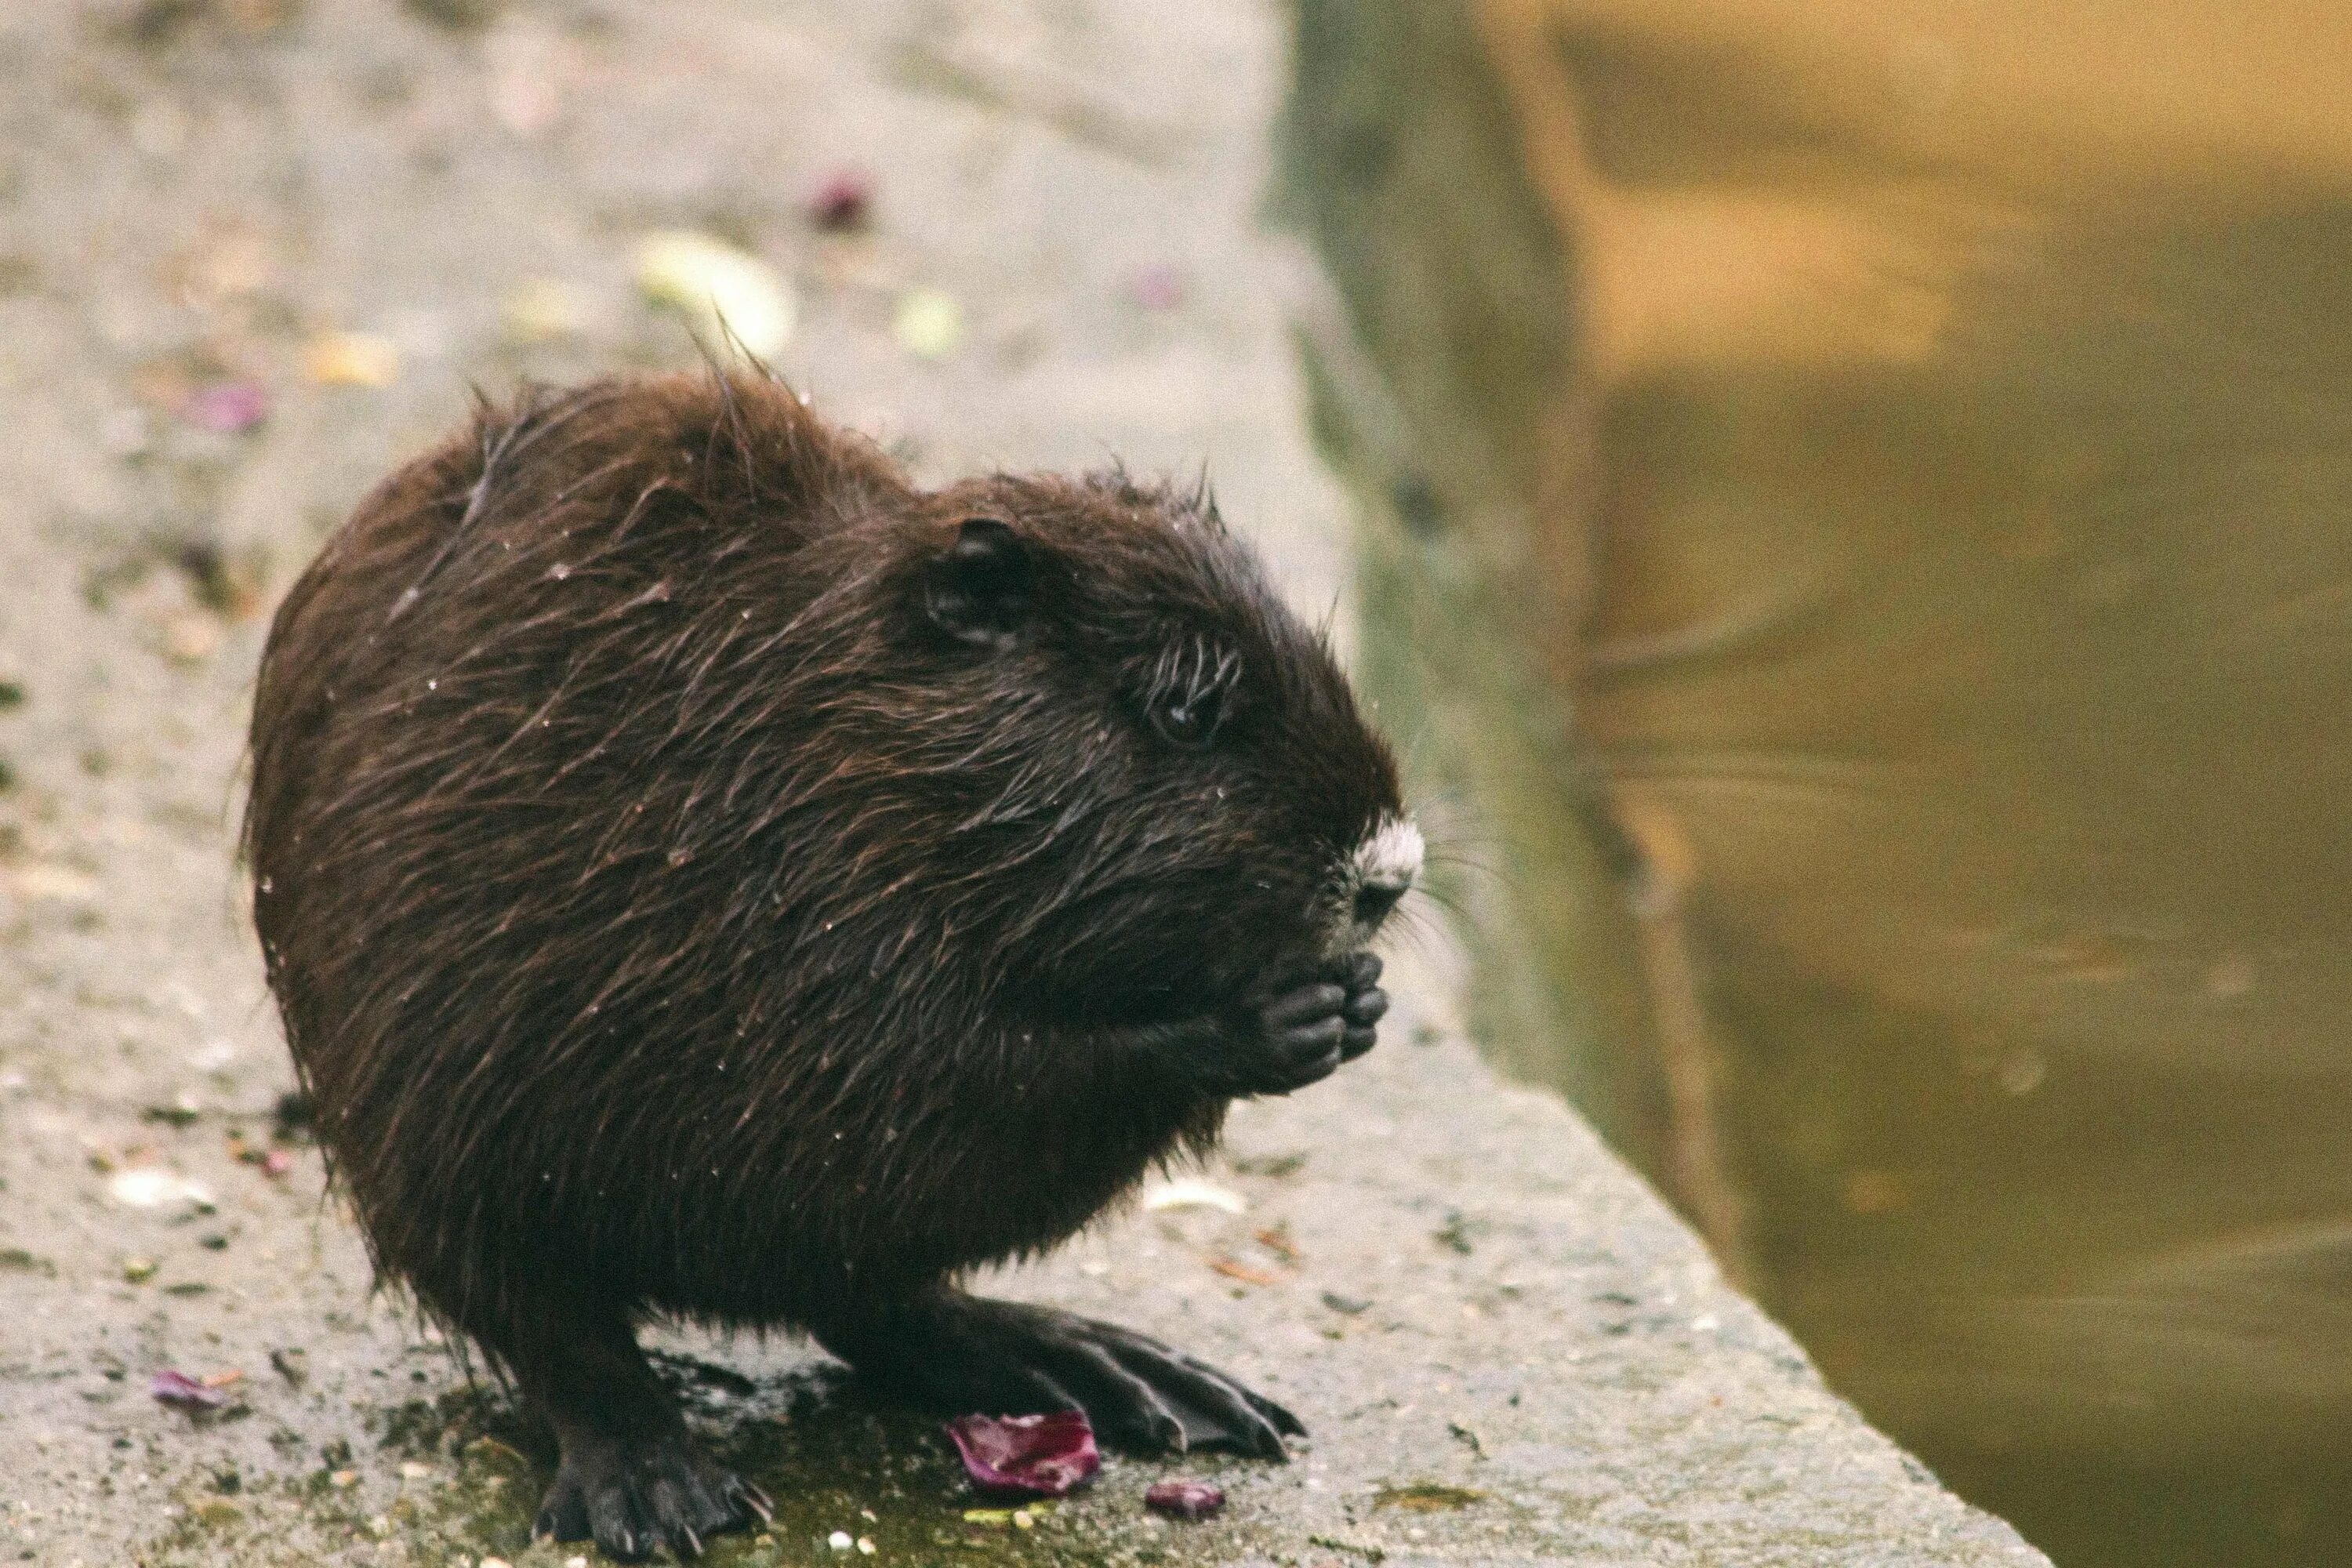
point(181, 1391)
point(1184, 1499)
point(1045, 1456)
point(845, 201)
point(1156, 287)
point(227, 406)
point(277, 1163)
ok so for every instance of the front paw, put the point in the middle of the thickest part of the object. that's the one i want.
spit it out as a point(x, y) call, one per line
point(1300, 1032)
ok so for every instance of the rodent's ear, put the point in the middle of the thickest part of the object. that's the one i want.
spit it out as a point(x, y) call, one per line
point(979, 589)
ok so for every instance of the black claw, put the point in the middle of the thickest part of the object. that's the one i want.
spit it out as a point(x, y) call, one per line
point(1282, 1420)
point(563, 1518)
point(1044, 1393)
point(635, 1499)
point(1216, 1399)
point(1127, 1404)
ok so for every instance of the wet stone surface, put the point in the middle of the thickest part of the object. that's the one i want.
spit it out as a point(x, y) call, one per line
point(251, 251)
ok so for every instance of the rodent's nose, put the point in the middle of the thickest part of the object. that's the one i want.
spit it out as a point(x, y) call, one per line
point(1375, 899)
point(1387, 861)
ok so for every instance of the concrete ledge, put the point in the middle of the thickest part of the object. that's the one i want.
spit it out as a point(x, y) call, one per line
point(1510, 1351)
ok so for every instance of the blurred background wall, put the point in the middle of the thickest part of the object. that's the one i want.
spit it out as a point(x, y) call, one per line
point(1856, 498)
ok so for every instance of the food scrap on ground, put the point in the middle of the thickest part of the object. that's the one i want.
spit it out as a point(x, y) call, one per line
point(1043, 1456)
point(1460, 1233)
point(182, 1391)
point(352, 359)
point(1232, 1270)
point(542, 310)
point(227, 408)
point(723, 292)
point(489, 1450)
point(180, 1112)
point(1427, 1497)
point(928, 324)
point(43, 880)
point(273, 1162)
point(152, 1187)
point(843, 200)
point(1156, 287)
point(1184, 1499)
point(1193, 1193)
point(225, 585)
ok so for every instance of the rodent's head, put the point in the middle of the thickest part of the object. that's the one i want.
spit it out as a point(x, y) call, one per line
point(1147, 782)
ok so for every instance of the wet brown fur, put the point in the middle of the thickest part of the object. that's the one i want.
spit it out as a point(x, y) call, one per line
point(665, 914)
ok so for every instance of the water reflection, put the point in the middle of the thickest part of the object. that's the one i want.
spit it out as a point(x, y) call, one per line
point(1958, 612)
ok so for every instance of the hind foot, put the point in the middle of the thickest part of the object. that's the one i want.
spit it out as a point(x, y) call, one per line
point(962, 1353)
point(635, 1499)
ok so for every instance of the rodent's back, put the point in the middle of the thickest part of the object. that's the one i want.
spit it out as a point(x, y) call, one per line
point(497, 721)
point(619, 488)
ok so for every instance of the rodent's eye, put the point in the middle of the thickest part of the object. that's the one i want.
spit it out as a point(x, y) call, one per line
point(1189, 693)
point(1188, 720)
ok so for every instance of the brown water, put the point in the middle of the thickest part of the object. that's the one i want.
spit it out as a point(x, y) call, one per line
point(1933, 533)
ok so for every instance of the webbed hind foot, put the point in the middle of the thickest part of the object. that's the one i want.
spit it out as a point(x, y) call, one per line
point(635, 1498)
point(962, 1353)
point(631, 1477)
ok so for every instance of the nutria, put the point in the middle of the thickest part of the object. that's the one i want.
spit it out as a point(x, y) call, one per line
point(705, 876)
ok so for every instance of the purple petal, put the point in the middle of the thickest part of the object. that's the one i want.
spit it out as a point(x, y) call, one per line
point(1044, 1455)
point(1156, 287)
point(1184, 1499)
point(845, 201)
point(184, 1393)
point(227, 406)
